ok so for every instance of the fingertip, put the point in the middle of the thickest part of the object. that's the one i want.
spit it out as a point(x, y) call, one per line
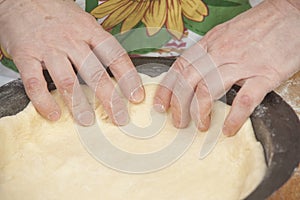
point(137, 95)
point(203, 124)
point(226, 131)
point(86, 118)
point(161, 102)
point(178, 122)
point(158, 105)
point(121, 118)
point(130, 83)
point(54, 115)
point(175, 120)
point(229, 129)
point(159, 108)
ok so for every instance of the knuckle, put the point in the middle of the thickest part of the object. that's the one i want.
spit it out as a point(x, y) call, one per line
point(125, 77)
point(202, 89)
point(98, 79)
point(116, 100)
point(214, 32)
point(76, 105)
point(34, 86)
point(192, 76)
point(113, 105)
point(90, 19)
point(181, 62)
point(97, 75)
point(122, 59)
point(204, 43)
point(66, 87)
point(218, 27)
point(100, 37)
point(246, 101)
point(77, 102)
point(67, 83)
point(104, 34)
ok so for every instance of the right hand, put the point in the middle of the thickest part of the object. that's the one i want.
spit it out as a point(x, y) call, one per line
point(56, 34)
point(258, 50)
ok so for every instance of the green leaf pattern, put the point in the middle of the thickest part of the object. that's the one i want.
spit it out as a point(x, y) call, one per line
point(219, 11)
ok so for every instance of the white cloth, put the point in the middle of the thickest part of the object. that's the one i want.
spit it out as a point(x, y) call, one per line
point(7, 75)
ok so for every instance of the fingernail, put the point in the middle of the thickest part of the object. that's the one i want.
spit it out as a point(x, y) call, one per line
point(176, 121)
point(158, 105)
point(137, 95)
point(159, 108)
point(86, 118)
point(200, 125)
point(195, 116)
point(198, 122)
point(226, 131)
point(53, 116)
point(121, 118)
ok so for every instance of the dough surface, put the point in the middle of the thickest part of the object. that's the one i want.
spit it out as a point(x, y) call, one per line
point(45, 160)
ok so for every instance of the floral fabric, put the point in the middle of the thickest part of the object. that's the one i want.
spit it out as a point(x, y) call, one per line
point(162, 27)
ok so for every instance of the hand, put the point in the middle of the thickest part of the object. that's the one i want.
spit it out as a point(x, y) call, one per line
point(56, 34)
point(256, 50)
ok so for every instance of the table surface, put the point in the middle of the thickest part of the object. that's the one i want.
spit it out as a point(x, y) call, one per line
point(290, 92)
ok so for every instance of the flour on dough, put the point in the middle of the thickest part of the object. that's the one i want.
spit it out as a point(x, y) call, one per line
point(46, 160)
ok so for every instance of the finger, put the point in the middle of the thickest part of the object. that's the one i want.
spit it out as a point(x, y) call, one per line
point(182, 96)
point(248, 97)
point(195, 52)
point(107, 48)
point(180, 102)
point(95, 75)
point(201, 107)
point(112, 54)
point(163, 93)
point(36, 88)
point(62, 73)
point(185, 86)
point(214, 85)
point(128, 79)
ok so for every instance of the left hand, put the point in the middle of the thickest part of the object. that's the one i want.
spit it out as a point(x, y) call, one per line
point(57, 35)
point(258, 50)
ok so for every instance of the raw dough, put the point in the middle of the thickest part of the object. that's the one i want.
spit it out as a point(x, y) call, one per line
point(45, 160)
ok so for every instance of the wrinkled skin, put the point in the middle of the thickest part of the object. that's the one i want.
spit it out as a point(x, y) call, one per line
point(256, 50)
point(55, 35)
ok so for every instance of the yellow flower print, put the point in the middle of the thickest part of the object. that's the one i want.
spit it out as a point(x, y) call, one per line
point(153, 13)
point(4, 53)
